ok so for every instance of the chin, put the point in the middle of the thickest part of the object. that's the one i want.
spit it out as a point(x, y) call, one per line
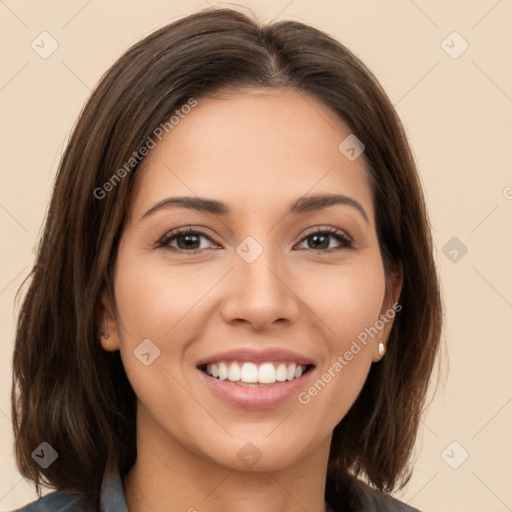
point(259, 454)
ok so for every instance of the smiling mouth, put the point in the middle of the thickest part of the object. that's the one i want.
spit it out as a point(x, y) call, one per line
point(251, 374)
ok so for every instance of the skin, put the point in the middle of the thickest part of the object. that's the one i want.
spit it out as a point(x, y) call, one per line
point(257, 151)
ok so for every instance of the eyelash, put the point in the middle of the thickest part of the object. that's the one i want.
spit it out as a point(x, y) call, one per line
point(335, 233)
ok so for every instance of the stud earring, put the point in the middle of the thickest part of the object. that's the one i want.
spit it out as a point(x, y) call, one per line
point(105, 335)
point(381, 348)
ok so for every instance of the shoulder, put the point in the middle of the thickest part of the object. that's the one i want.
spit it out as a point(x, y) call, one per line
point(111, 499)
point(352, 494)
point(374, 500)
point(57, 501)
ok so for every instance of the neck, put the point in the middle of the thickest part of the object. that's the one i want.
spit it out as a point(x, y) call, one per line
point(167, 477)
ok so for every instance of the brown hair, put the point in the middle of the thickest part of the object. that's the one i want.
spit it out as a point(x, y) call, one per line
point(75, 395)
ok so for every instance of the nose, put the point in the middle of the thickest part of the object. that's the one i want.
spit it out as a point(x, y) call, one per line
point(260, 293)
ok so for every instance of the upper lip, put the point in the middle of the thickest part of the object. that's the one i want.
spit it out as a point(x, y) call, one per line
point(257, 356)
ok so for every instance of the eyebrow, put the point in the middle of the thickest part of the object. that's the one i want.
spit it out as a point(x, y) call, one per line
point(301, 205)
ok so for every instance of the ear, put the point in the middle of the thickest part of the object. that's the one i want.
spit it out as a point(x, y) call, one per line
point(108, 328)
point(388, 311)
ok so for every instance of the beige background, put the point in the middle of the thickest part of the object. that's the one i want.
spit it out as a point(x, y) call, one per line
point(457, 112)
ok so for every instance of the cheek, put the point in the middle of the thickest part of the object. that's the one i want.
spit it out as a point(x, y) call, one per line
point(348, 302)
point(347, 299)
point(153, 305)
point(162, 303)
point(155, 299)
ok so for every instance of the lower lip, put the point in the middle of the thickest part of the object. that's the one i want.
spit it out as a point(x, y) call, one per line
point(256, 397)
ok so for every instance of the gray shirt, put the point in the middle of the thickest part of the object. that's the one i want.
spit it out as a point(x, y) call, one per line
point(112, 499)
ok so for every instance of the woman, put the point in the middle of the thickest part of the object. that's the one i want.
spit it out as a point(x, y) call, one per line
point(234, 304)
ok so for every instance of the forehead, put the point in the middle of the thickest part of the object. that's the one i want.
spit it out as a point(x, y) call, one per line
point(253, 148)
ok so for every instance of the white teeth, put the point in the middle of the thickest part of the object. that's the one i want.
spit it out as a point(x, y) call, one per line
point(234, 372)
point(249, 373)
point(290, 372)
point(265, 373)
point(281, 373)
point(223, 371)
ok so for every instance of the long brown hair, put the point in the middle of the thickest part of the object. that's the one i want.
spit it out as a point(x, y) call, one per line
point(68, 391)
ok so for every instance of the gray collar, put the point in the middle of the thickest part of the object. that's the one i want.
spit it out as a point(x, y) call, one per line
point(112, 494)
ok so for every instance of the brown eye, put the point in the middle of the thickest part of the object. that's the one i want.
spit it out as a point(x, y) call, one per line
point(187, 240)
point(321, 239)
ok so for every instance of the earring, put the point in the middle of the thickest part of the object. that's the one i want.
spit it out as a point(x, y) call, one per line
point(105, 335)
point(381, 348)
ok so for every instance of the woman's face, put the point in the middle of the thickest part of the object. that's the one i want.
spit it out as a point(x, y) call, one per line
point(261, 286)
